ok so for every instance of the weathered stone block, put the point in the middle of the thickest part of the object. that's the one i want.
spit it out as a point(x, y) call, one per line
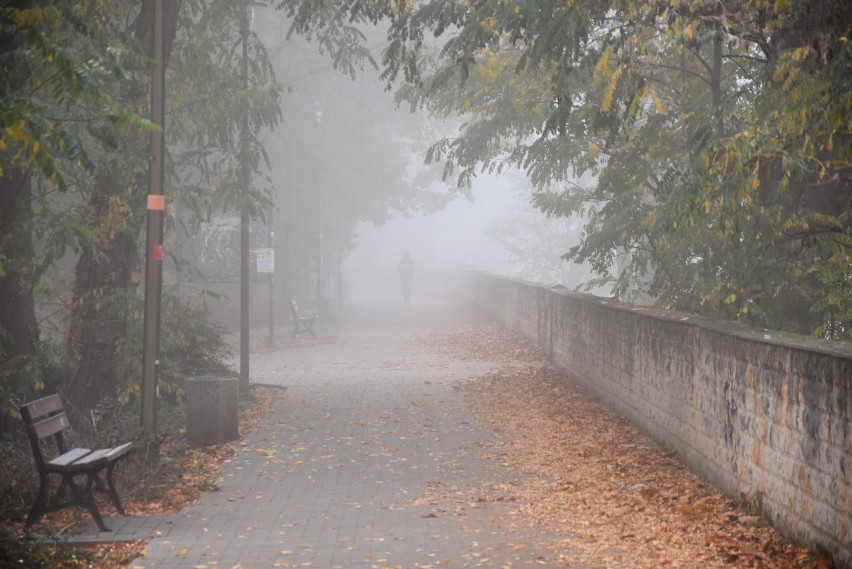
point(212, 413)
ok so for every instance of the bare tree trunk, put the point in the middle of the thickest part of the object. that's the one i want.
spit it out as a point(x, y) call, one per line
point(102, 282)
point(18, 326)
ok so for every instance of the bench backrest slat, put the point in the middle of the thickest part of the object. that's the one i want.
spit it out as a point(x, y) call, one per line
point(37, 409)
point(50, 426)
point(45, 417)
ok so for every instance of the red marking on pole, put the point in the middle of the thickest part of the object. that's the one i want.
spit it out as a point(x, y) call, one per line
point(158, 252)
point(156, 202)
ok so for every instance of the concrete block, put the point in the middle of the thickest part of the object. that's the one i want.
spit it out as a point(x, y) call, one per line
point(212, 411)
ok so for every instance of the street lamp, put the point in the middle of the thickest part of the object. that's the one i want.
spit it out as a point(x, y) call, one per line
point(318, 120)
point(245, 28)
point(270, 243)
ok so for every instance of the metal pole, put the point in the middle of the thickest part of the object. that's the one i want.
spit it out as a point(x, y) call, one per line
point(244, 216)
point(339, 278)
point(318, 117)
point(154, 231)
point(270, 242)
point(319, 253)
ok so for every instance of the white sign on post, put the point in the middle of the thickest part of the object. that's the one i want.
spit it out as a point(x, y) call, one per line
point(266, 260)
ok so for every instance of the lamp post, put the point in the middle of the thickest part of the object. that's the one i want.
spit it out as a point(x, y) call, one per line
point(270, 243)
point(318, 120)
point(245, 28)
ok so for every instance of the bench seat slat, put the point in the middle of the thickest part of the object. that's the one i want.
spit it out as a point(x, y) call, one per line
point(66, 460)
point(103, 455)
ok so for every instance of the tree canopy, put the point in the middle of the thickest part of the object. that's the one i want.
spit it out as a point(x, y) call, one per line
point(713, 137)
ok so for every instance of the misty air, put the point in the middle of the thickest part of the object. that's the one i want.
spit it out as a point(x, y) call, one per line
point(379, 284)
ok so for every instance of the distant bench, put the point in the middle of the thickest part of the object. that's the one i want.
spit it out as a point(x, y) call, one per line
point(302, 323)
point(46, 417)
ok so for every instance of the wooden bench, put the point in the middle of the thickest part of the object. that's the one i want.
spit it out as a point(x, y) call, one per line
point(302, 323)
point(46, 418)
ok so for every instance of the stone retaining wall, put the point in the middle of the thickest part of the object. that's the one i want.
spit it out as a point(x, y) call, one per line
point(749, 411)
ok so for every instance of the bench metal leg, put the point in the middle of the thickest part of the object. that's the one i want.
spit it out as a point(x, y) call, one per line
point(307, 325)
point(109, 489)
point(79, 496)
point(87, 499)
point(40, 506)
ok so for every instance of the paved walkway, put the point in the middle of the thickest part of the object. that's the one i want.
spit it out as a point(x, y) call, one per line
point(336, 475)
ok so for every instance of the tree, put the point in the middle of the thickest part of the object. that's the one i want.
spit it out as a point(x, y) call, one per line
point(113, 209)
point(74, 162)
point(207, 156)
point(54, 68)
point(718, 135)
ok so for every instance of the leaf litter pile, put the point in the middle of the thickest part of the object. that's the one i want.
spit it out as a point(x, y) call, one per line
point(614, 498)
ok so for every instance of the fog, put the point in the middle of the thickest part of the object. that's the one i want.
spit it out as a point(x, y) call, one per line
point(495, 230)
point(347, 159)
point(455, 237)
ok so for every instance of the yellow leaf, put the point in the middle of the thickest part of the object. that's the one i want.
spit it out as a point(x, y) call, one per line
point(182, 552)
point(606, 104)
point(658, 104)
point(16, 131)
point(594, 151)
point(602, 62)
point(730, 299)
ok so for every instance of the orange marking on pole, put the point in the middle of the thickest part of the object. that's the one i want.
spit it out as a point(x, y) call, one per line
point(156, 202)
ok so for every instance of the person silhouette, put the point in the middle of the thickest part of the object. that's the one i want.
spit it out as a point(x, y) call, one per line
point(406, 275)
